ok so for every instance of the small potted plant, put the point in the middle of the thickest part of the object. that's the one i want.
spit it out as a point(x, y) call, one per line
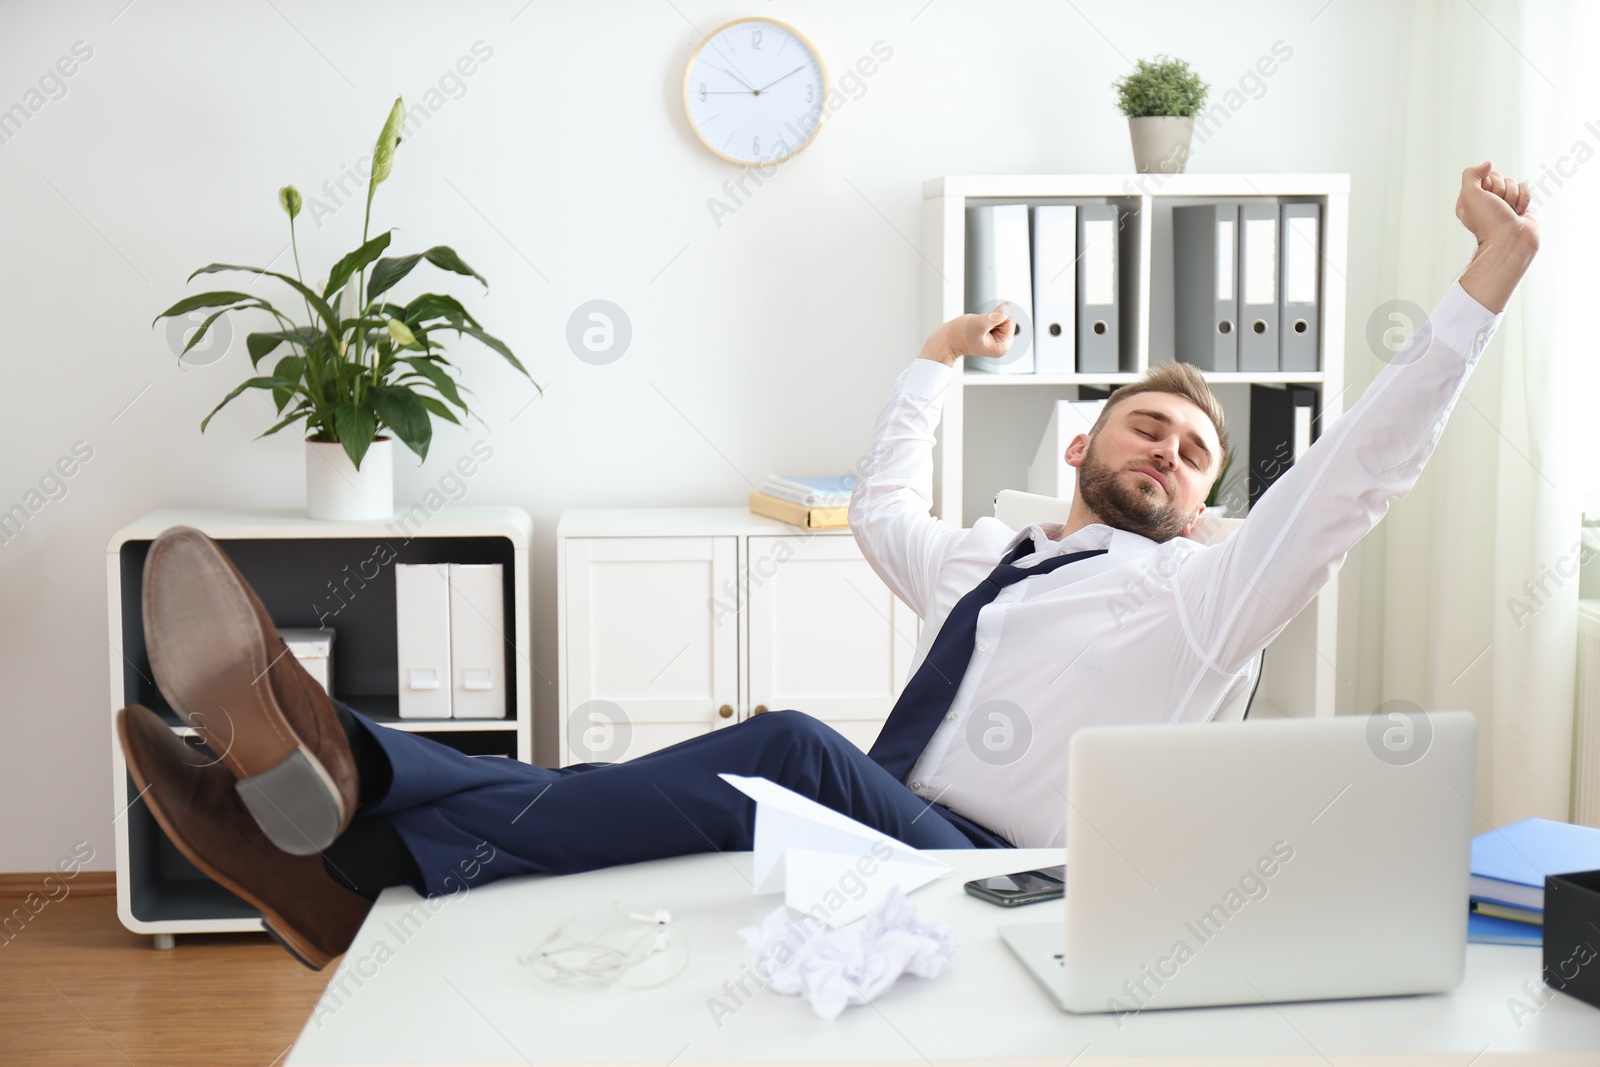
point(1161, 98)
point(1225, 496)
point(362, 370)
point(1224, 510)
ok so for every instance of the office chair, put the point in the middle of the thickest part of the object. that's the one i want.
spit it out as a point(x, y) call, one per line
point(1018, 509)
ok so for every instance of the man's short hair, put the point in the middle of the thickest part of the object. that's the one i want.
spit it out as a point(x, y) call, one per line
point(1181, 379)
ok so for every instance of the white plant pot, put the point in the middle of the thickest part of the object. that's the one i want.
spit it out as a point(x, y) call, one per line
point(1213, 528)
point(1160, 143)
point(336, 490)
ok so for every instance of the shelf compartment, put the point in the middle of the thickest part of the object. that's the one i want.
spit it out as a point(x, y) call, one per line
point(337, 582)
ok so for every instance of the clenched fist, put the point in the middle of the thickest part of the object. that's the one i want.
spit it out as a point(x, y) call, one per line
point(1492, 206)
point(985, 334)
point(1495, 209)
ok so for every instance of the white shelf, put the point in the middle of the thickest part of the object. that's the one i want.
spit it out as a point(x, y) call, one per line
point(149, 901)
point(1289, 377)
point(415, 726)
point(292, 523)
point(988, 433)
point(447, 726)
point(960, 495)
point(1025, 186)
point(984, 378)
point(981, 378)
point(679, 522)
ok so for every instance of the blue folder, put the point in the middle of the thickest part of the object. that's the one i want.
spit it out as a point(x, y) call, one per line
point(1492, 930)
point(1509, 865)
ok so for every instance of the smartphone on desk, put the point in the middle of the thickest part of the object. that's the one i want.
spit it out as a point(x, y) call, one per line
point(1024, 887)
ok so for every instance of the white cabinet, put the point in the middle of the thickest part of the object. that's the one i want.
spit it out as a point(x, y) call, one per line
point(647, 660)
point(673, 622)
point(823, 634)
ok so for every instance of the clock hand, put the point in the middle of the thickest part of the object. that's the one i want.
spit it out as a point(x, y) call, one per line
point(775, 81)
point(740, 80)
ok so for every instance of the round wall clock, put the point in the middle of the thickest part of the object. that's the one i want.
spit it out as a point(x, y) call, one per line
point(754, 91)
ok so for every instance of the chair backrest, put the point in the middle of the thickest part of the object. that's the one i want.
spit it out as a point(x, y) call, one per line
point(1239, 707)
point(1018, 509)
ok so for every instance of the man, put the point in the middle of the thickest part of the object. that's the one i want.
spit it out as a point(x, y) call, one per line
point(310, 809)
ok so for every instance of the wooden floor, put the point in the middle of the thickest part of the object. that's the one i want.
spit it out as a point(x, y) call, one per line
point(77, 988)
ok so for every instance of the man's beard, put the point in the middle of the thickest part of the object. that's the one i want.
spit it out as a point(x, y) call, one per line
point(1144, 510)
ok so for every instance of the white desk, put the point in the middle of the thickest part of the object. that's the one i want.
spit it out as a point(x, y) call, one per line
point(451, 992)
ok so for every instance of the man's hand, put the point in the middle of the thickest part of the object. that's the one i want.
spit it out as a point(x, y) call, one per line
point(988, 334)
point(1495, 209)
point(1492, 205)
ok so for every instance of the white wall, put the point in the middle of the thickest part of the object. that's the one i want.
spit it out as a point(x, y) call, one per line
point(564, 170)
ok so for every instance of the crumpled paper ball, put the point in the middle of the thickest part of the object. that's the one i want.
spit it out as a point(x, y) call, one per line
point(840, 968)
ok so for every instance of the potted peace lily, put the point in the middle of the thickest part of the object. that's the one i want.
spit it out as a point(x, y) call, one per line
point(362, 370)
point(1161, 98)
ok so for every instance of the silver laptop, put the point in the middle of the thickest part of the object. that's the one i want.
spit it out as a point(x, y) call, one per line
point(1277, 860)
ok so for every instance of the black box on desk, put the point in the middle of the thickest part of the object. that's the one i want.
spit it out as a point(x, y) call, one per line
point(1572, 934)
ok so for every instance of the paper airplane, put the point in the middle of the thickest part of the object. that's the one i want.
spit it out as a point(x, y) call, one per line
point(826, 864)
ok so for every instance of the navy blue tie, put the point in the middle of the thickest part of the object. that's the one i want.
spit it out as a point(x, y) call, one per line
point(928, 695)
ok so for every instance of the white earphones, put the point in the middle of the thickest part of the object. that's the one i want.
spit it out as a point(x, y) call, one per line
point(563, 958)
point(661, 917)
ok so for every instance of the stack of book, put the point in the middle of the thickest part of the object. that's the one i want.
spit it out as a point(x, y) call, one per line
point(1508, 871)
point(811, 503)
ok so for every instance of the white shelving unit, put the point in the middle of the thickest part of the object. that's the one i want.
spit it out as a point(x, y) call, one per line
point(993, 422)
point(298, 566)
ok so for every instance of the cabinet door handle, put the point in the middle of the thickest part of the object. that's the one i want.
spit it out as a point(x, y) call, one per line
point(726, 711)
point(761, 709)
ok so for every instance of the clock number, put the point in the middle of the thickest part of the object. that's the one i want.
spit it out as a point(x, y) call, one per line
point(703, 93)
point(755, 39)
point(809, 89)
point(755, 147)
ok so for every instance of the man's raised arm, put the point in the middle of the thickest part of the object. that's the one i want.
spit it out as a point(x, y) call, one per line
point(1239, 594)
point(1495, 209)
point(889, 510)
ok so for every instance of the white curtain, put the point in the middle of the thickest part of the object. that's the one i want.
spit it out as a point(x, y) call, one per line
point(1446, 618)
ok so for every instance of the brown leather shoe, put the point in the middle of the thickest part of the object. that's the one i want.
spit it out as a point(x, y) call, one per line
point(220, 663)
point(193, 798)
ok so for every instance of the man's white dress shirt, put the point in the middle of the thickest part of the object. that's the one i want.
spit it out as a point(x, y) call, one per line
point(1148, 632)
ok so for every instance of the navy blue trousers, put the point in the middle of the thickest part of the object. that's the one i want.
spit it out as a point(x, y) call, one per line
point(468, 821)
